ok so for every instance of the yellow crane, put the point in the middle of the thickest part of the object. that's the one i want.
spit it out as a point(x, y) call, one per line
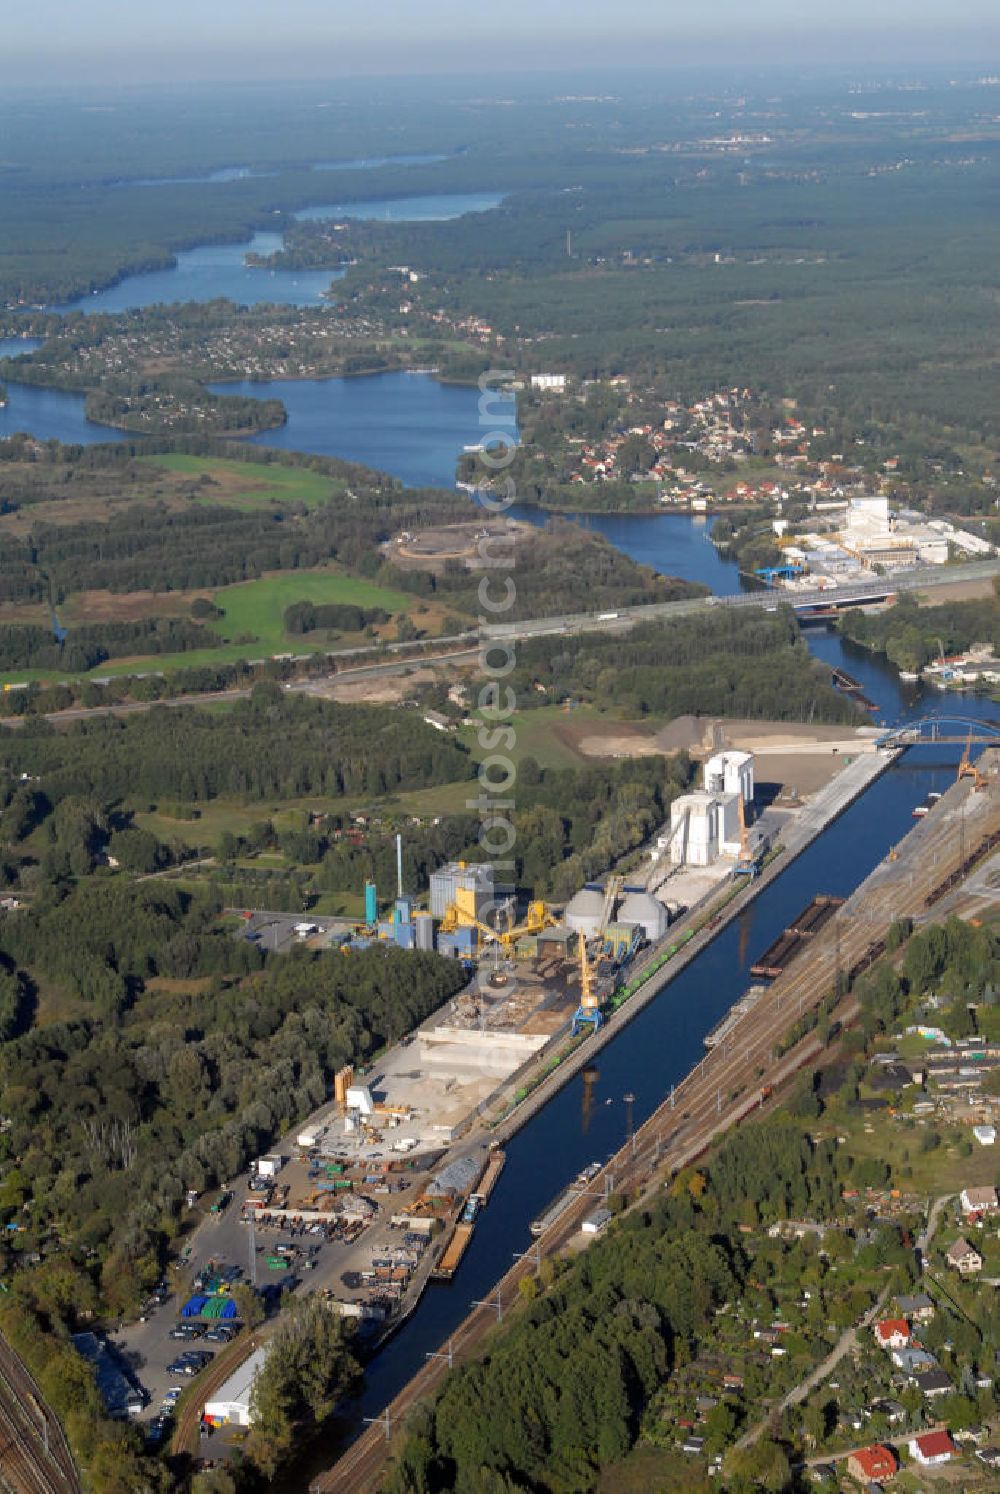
point(967, 768)
point(748, 864)
point(461, 914)
point(589, 1010)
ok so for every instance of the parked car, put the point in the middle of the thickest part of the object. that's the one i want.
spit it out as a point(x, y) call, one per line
point(172, 1396)
point(189, 1364)
point(186, 1330)
point(220, 1334)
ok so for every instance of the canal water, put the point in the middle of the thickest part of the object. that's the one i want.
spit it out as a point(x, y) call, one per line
point(587, 1120)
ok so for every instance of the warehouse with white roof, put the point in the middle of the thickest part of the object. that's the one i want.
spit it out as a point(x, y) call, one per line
point(231, 1402)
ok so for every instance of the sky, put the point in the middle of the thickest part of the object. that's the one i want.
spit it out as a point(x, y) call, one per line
point(192, 40)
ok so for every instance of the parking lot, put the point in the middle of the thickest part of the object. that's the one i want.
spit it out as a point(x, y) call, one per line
point(277, 932)
point(357, 1256)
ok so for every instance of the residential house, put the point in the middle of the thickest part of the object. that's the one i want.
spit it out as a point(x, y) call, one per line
point(932, 1383)
point(918, 1309)
point(932, 1448)
point(892, 1333)
point(963, 1258)
point(870, 1463)
point(979, 1201)
point(912, 1359)
point(893, 1411)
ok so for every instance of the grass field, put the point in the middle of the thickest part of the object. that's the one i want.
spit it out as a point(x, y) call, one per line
point(258, 607)
point(539, 736)
point(250, 485)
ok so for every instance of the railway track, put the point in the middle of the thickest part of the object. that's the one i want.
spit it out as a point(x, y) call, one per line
point(34, 1455)
point(726, 1086)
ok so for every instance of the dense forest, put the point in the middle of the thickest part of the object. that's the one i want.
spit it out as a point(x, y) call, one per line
point(571, 825)
point(272, 745)
point(723, 663)
point(167, 537)
point(30, 647)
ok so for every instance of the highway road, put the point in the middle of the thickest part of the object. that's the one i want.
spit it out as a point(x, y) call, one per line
point(457, 647)
point(727, 1085)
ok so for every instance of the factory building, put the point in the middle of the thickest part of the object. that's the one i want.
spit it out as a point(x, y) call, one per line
point(694, 829)
point(467, 883)
point(705, 823)
point(730, 773)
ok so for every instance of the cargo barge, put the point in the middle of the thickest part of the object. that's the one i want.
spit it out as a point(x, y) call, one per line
point(458, 1243)
point(563, 1200)
point(779, 955)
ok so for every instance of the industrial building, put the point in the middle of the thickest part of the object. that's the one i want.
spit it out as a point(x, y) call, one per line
point(121, 1396)
point(730, 773)
point(468, 885)
point(231, 1402)
point(710, 822)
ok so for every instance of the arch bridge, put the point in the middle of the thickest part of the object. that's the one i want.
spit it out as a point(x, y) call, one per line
point(959, 731)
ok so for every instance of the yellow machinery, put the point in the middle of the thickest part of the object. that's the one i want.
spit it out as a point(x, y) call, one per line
point(461, 914)
point(589, 1010)
point(967, 768)
point(748, 864)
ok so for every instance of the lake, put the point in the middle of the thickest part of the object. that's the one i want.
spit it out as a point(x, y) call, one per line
point(407, 424)
point(49, 415)
point(211, 271)
point(248, 173)
point(430, 208)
